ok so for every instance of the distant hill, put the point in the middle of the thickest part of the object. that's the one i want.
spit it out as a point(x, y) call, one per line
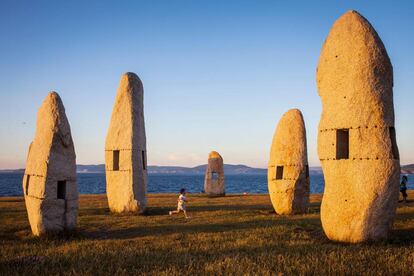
point(198, 170)
point(228, 169)
point(409, 169)
point(90, 168)
point(12, 171)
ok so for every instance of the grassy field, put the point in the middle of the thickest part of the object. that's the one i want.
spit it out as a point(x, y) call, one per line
point(230, 235)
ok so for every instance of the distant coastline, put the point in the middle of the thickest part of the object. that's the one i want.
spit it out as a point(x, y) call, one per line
point(198, 170)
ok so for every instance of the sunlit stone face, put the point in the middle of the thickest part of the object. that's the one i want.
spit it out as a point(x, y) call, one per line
point(49, 182)
point(214, 178)
point(125, 149)
point(356, 136)
point(287, 175)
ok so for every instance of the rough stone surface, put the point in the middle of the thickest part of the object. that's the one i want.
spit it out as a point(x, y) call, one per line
point(356, 137)
point(126, 179)
point(49, 182)
point(214, 179)
point(288, 171)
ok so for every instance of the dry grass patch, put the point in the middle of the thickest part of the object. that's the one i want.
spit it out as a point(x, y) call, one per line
point(230, 235)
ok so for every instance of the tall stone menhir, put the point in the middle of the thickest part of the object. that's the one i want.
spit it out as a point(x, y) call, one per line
point(49, 182)
point(214, 178)
point(125, 149)
point(356, 138)
point(288, 171)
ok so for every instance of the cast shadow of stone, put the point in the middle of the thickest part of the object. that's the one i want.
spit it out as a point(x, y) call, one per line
point(11, 199)
point(162, 211)
point(94, 212)
point(183, 228)
point(308, 225)
point(401, 237)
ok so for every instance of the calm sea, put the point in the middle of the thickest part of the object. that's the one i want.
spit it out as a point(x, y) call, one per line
point(94, 183)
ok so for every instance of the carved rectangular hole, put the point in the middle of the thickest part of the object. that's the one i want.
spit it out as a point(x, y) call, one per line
point(214, 176)
point(342, 143)
point(144, 165)
point(115, 162)
point(307, 171)
point(27, 184)
point(394, 147)
point(279, 172)
point(61, 189)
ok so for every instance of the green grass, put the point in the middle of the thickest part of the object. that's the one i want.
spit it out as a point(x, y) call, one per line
point(230, 235)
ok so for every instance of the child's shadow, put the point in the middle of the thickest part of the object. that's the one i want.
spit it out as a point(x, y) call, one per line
point(157, 211)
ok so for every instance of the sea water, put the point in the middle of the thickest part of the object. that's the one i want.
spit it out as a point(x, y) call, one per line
point(94, 183)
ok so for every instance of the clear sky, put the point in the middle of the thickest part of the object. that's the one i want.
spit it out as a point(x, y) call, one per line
point(217, 75)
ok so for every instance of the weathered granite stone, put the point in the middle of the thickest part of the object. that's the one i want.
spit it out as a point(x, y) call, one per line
point(356, 138)
point(125, 149)
point(49, 182)
point(214, 179)
point(288, 171)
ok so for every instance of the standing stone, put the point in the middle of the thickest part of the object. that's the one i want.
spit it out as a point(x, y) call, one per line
point(288, 170)
point(214, 179)
point(356, 139)
point(125, 149)
point(49, 182)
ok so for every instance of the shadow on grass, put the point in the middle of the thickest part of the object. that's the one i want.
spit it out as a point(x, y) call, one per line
point(49, 238)
point(314, 208)
point(162, 211)
point(205, 208)
point(201, 195)
point(276, 256)
point(143, 261)
point(135, 232)
point(308, 225)
point(149, 261)
point(94, 212)
point(297, 224)
point(401, 237)
point(10, 199)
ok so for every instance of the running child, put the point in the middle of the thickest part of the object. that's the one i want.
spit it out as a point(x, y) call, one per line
point(181, 205)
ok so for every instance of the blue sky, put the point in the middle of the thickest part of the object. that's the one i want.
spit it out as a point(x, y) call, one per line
point(217, 75)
